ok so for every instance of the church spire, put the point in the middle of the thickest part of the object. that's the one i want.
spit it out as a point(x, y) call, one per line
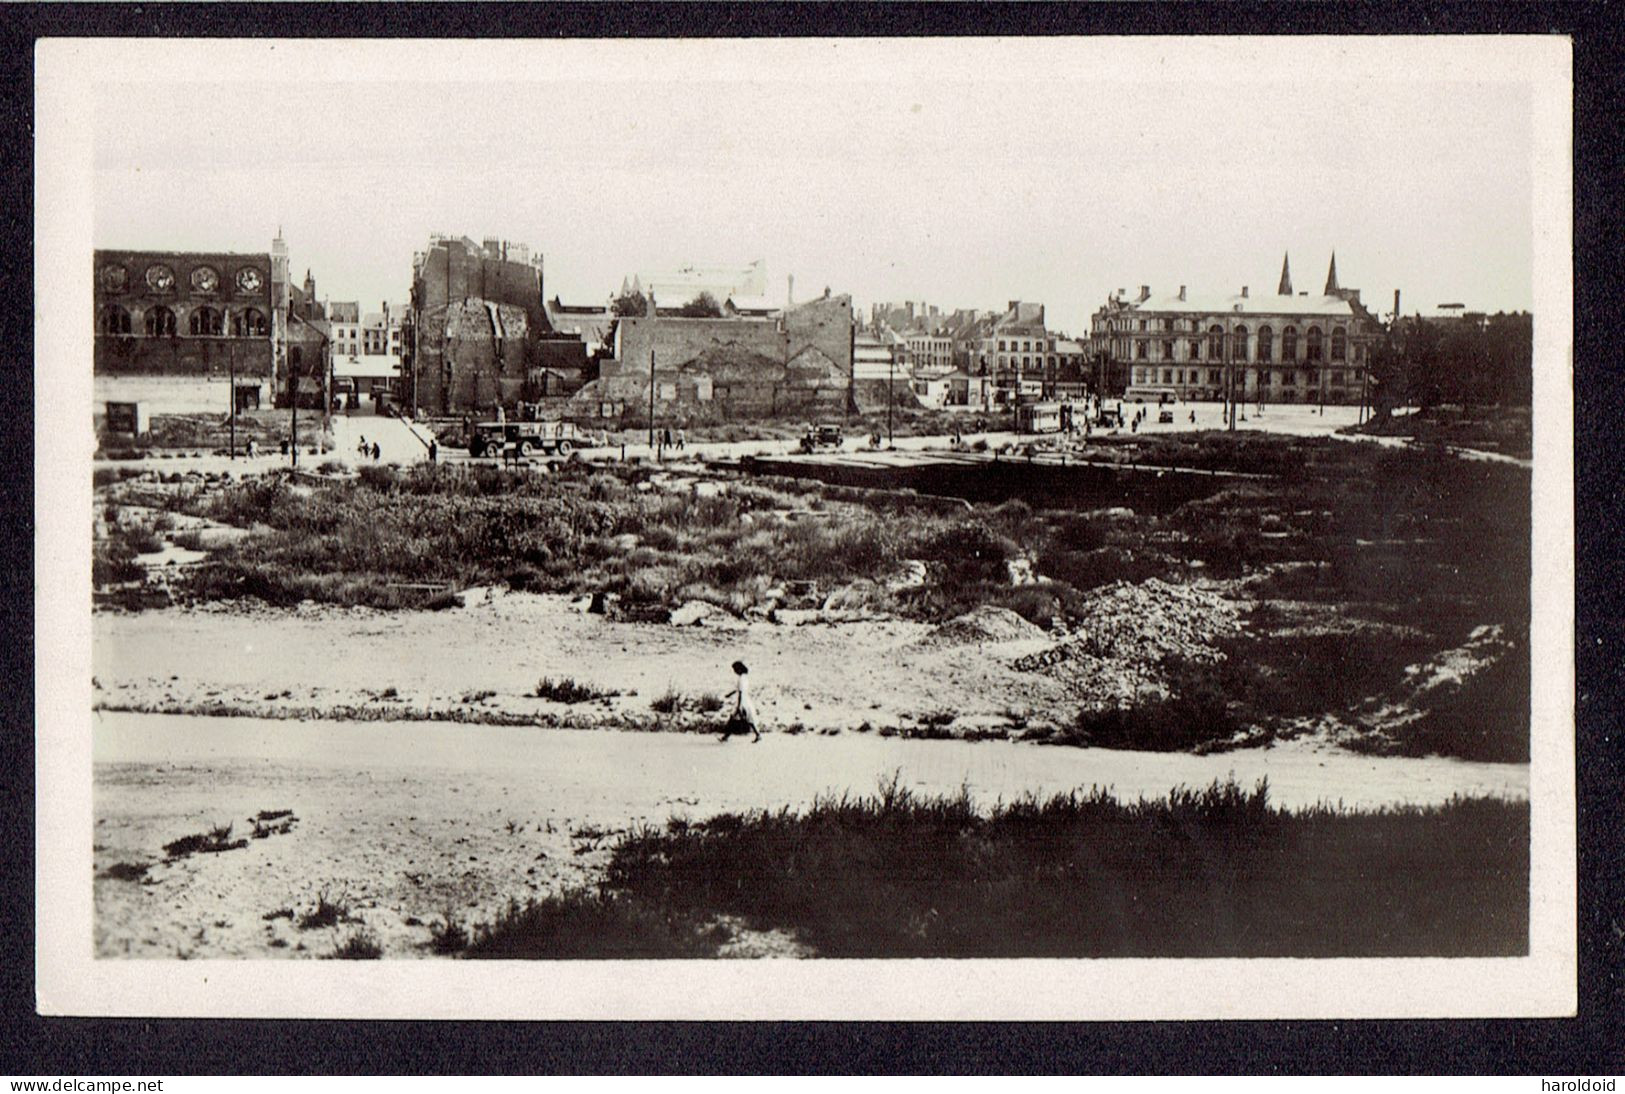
point(1286, 275)
point(1331, 277)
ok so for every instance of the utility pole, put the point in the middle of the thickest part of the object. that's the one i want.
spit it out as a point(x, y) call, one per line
point(891, 394)
point(293, 421)
point(651, 398)
point(1230, 376)
point(231, 365)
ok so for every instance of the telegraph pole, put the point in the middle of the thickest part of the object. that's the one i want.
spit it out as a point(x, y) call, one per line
point(651, 398)
point(891, 394)
point(293, 422)
point(231, 366)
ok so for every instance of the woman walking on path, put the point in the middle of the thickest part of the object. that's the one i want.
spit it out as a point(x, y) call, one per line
point(744, 716)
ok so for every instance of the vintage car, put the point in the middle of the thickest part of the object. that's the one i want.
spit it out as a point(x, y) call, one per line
point(822, 436)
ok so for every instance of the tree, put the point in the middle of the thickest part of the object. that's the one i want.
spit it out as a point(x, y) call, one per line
point(703, 306)
point(629, 304)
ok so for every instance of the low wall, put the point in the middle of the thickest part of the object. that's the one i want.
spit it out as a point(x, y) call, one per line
point(173, 394)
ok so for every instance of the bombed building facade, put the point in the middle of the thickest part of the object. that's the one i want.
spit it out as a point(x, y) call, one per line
point(797, 360)
point(478, 335)
point(174, 327)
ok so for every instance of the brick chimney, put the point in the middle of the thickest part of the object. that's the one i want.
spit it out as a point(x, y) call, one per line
point(1145, 293)
point(1182, 292)
point(1244, 292)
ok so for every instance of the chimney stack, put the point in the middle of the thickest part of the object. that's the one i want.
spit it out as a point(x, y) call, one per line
point(1244, 292)
point(1396, 303)
point(1182, 292)
point(1145, 293)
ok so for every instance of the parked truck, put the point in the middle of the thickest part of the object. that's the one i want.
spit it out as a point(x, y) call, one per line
point(528, 438)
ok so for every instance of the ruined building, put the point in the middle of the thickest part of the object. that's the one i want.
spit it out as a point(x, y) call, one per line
point(796, 361)
point(479, 335)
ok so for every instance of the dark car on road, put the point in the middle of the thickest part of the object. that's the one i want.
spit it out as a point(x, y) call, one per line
point(822, 436)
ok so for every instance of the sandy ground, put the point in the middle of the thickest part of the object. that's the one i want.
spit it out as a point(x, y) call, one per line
point(323, 660)
point(405, 823)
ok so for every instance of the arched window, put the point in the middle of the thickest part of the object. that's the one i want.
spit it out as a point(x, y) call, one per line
point(1266, 339)
point(160, 322)
point(1215, 343)
point(206, 321)
point(1238, 344)
point(1340, 344)
point(249, 323)
point(1289, 344)
point(115, 320)
point(1314, 344)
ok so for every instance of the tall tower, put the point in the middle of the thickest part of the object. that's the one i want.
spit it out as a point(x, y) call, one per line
point(1331, 277)
point(1285, 288)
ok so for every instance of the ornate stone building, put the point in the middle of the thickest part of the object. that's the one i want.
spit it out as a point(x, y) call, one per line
point(1274, 348)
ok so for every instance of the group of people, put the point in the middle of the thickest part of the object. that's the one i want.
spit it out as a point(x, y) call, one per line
point(675, 441)
point(364, 450)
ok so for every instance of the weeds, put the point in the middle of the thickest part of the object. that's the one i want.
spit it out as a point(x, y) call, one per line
point(359, 945)
point(568, 690)
point(1202, 872)
point(325, 914)
point(669, 702)
point(214, 841)
point(448, 936)
point(580, 923)
point(127, 871)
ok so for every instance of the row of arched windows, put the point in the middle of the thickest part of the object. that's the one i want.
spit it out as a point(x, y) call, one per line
point(205, 322)
point(1314, 344)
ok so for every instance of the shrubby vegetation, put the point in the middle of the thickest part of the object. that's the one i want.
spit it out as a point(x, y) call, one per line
point(1216, 872)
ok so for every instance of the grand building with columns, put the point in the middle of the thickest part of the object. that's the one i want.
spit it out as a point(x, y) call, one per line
point(1281, 347)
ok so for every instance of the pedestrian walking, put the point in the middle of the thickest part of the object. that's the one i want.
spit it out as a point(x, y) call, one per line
point(434, 452)
point(253, 449)
point(362, 449)
point(376, 452)
point(743, 718)
point(682, 440)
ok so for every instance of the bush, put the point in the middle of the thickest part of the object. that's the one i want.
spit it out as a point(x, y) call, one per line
point(568, 690)
point(360, 945)
point(325, 914)
point(669, 702)
point(1202, 872)
point(583, 924)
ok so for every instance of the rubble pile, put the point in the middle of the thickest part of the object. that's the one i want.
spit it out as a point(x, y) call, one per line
point(983, 625)
point(1153, 620)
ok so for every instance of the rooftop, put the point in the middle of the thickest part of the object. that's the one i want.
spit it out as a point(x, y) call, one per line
point(1262, 304)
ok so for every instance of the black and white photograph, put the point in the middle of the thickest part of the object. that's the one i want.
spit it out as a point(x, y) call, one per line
point(973, 528)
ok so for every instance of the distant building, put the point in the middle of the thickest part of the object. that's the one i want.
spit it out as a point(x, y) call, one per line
point(674, 288)
point(1281, 347)
point(370, 366)
point(797, 361)
point(173, 327)
point(1013, 350)
point(344, 319)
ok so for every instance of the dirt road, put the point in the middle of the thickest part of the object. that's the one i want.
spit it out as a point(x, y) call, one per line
point(402, 824)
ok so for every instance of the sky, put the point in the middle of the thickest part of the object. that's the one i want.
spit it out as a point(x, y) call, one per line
point(962, 173)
